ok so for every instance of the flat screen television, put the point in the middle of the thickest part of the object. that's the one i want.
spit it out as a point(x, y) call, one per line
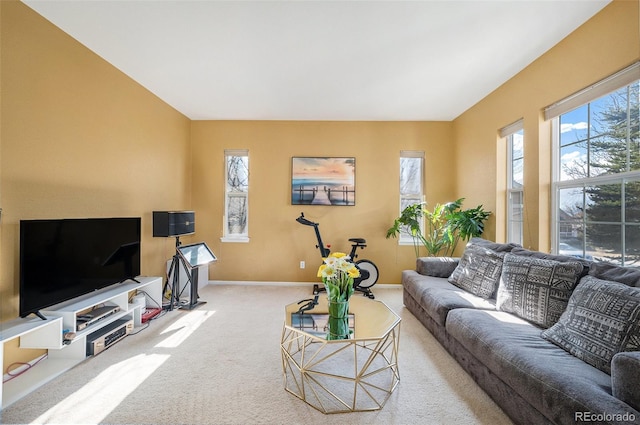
point(62, 259)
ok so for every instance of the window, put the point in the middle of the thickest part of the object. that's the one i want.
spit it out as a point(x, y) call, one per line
point(411, 185)
point(236, 223)
point(514, 134)
point(597, 174)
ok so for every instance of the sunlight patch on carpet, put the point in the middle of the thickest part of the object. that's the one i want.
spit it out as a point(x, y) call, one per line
point(111, 387)
point(183, 328)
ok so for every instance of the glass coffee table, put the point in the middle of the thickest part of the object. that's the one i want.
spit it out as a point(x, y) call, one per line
point(338, 376)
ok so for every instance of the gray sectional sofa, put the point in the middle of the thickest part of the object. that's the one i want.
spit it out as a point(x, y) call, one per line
point(552, 339)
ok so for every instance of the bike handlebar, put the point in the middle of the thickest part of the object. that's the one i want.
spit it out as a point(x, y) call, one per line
point(304, 221)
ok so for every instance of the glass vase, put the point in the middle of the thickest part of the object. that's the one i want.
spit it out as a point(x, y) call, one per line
point(338, 323)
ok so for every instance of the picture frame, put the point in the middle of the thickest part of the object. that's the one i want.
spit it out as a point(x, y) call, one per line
point(329, 181)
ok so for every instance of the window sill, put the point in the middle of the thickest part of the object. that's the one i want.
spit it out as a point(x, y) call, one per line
point(406, 242)
point(235, 239)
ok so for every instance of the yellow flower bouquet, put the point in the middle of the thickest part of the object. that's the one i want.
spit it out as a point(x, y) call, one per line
point(337, 273)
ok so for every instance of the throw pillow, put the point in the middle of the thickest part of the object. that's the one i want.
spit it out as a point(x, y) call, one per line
point(537, 289)
point(555, 257)
point(602, 319)
point(478, 271)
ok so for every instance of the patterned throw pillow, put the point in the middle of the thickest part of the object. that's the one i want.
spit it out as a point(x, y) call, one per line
point(478, 271)
point(537, 289)
point(602, 319)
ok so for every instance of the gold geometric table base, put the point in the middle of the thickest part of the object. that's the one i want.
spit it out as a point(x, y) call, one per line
point(340, 376)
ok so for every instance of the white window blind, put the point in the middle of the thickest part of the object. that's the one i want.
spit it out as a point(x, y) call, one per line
point(412, 154)
point(511, 128)
point(619, 79)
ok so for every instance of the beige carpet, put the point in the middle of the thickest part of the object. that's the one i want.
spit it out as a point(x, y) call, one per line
point(220, 364)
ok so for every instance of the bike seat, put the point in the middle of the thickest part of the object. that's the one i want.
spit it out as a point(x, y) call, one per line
point(358, 240)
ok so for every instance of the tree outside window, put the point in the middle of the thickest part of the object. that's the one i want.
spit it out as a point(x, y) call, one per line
point(237, 195)
point(598, 188)
point(411, 185)
point(515, 186)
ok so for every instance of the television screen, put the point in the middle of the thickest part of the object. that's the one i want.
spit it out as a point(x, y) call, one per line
point(65, 258)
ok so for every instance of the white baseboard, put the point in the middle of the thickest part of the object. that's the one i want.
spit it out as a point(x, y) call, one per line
point(265, 283)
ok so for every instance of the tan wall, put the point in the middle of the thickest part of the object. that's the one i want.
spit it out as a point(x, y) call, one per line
point(605, 44)
point(80, 139)
point(277, 242)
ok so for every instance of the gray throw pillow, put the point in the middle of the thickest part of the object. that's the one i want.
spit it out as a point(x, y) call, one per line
point(602, 319)
point(478, 271)
point(556, 257)
point(537, 289)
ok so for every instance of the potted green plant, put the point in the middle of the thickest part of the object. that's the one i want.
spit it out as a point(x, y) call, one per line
point(445, 226)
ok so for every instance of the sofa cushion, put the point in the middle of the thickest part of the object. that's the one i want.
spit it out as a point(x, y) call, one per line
point(537, 289)
point(553, 381)
point(493, 246)
point(602, 319)
point(478, 271)
point(436, 266)
point(625, 376)
point(438, 297)
point(607, 271)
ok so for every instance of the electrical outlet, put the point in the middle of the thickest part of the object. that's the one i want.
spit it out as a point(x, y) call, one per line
point(302, 264)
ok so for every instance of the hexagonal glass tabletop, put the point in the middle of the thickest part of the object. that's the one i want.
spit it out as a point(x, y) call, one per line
point(335, 376)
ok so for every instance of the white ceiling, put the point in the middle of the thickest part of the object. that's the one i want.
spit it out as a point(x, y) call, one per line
point(319, 60)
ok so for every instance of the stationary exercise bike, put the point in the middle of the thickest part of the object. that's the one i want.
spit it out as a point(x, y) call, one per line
point(368, 271)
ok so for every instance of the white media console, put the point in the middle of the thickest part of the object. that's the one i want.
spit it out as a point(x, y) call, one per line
point(48, 334)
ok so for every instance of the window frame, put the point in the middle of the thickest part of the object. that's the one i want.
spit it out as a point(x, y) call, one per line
point(508, 134)
point(405, 238)
point(229, 194)
point(625, 78)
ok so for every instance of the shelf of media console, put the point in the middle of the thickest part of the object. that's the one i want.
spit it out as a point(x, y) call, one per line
point(48, 334)
point(115, 295)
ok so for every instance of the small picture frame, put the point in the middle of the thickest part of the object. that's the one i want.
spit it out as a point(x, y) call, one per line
point(329, 181)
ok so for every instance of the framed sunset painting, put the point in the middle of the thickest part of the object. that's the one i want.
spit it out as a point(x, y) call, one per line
point(323, 181)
